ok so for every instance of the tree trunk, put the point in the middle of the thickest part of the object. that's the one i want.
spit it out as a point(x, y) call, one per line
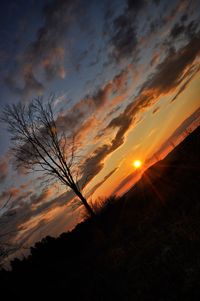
point(84, 201)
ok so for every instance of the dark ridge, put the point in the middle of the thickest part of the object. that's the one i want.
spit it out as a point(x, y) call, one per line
point(143, 246)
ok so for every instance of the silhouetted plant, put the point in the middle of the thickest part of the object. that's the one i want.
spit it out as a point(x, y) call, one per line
point(100, 205)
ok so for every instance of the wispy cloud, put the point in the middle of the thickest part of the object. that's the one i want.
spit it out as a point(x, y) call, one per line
point(46, 54)
point(3, 170)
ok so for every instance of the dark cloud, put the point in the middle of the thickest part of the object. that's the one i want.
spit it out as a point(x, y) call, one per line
point(44, 205)
point(124, 39)
point(124, 30)
point(46, 53)
point(93, 165)
point(124, 35)
point(113, 111)
point(177, 30)
point(171, 12)
point(30, 84)
point(180, 7)
point(184, 18)
point(154, 25)
point(190, 75)
point(169, 73)
point(180, 29)
point(191, 29)
point(157, 2)
point(135, 5)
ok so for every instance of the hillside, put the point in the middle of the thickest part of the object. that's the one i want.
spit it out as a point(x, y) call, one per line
point(143, 246)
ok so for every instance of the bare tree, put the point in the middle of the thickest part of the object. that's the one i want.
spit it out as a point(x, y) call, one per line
point(39, 144)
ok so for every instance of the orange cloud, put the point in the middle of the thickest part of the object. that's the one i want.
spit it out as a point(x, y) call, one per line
point(155, 59)
point(44, 196)
point(156, 110)
point(3, 170)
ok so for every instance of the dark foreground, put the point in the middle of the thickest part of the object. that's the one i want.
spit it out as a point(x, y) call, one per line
point(145, 246)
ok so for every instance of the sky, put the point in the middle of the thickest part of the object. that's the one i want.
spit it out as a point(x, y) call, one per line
point(125, 80)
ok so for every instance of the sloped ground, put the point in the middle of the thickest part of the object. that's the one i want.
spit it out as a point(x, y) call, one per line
point(144, 246)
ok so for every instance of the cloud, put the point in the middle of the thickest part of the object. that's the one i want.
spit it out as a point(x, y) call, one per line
point(182, 30)
point(155, 58)
point(171, 12)
point(46, 54)
point(157, 2)
point(191, 74)
point(93, 164)
point(45, 195)
point(90, 193)
point(113, 111)
point(3, 170)
point(177, 30)
point(16, 196)
point(76, 116)
point(85, 129)
point(161, 82)
point(135, 5)
point(123, 183)
point(83, 116)
point(26, 212)
point(123, 35)
point(168, 76)
point(179, 7)
point(169, 73)
point(13, 191)
point(187, 123)
point(31, 84)
point(23, 196)
point(156, 110)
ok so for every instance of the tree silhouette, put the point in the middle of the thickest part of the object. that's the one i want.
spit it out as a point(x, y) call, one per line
point(39, 144)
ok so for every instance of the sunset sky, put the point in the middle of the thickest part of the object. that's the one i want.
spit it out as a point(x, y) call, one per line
point(126, 80)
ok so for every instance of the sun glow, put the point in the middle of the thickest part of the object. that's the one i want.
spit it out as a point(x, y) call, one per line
point(137, 163)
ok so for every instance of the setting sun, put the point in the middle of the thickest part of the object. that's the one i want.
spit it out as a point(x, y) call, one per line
point(137, 163)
